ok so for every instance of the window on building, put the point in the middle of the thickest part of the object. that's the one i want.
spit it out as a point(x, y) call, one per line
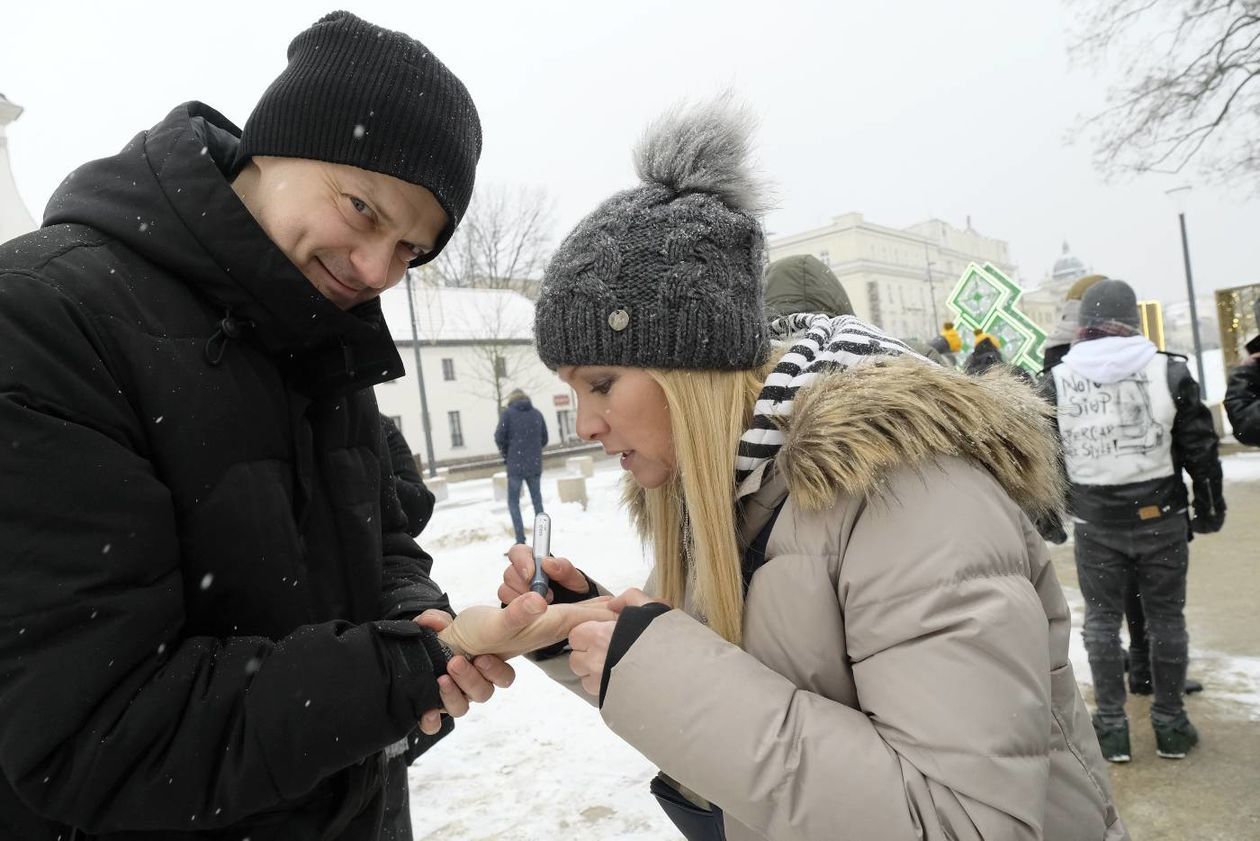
point(825, 257)
point(566, 424)
point(457, 430)
point(397, 419)
point(448, 369)
point(500, 367)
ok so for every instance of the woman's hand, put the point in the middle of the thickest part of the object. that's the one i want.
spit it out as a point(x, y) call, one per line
point(590, 640)
point(589, 643)
point(520, 571)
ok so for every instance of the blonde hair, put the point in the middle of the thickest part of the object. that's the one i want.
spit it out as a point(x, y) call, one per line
point(708, 412)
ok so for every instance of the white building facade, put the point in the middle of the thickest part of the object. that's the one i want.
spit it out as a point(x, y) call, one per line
point(465, 336)
point(897, 278)
point(15, 219)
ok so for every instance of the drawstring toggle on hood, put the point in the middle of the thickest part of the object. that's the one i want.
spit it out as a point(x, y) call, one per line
point(229, 329)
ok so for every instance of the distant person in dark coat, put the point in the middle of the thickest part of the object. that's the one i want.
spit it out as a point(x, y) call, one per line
point(417, 500)
point(1242, 395)
point(521, 436)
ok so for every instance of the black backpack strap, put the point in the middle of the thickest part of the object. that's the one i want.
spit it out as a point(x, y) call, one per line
point(755, 555)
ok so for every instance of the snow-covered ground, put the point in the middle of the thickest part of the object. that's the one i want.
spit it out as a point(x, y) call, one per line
point(536, 762)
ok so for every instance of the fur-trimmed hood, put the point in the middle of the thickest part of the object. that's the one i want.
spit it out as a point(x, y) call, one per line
point(853, 426)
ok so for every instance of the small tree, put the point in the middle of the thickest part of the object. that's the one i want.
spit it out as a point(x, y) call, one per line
point(501, 244)
point(1187, 87)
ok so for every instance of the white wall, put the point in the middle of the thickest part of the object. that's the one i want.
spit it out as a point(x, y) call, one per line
point(469, 394)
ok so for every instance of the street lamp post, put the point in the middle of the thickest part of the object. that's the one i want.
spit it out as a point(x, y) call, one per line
point(1179, 194)
point(936, 322)
point(424, 400)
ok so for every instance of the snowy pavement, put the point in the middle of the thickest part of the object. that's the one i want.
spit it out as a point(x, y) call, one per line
point(536, 762)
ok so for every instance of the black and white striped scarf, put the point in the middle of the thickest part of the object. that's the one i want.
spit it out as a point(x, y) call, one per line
point(819, 343)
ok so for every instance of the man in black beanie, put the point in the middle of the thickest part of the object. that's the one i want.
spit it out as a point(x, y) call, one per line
point(1130, 419)
point(213, 623)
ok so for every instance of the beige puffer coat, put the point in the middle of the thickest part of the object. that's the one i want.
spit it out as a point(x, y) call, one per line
point(904, 671)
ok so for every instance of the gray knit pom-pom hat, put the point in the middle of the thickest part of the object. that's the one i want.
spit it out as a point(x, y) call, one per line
point(666, 274)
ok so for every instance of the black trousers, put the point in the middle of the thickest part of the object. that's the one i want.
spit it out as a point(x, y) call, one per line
point(1157, 553)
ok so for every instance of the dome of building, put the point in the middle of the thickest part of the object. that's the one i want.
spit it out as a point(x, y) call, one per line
point(1067, 268)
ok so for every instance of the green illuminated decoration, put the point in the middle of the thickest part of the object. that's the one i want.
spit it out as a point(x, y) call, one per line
point(986, 298)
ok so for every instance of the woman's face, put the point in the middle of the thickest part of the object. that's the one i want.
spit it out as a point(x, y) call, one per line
point(624, 409)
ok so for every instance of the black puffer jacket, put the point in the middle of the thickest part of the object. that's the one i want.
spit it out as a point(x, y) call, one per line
point(417, 500)
point(1242, 403)
point(200, 536)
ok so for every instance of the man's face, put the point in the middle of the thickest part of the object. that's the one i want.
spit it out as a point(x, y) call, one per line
point(352, 232)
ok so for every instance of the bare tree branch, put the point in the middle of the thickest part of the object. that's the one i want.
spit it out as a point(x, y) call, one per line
point(1196, 100)
point(502, 244)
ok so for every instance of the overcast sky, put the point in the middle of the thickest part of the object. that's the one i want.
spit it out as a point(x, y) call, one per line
point(899, 110)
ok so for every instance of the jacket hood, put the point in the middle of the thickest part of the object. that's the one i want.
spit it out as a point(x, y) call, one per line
point(167, 196)
point(521, 404)
point(1111, 358)
point(802, 283)
point(854, 426)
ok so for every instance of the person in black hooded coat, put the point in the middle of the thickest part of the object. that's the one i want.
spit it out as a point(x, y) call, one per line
point(210, 612)
point(1242, 393)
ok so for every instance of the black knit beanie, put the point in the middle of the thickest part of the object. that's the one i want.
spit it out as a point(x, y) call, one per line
point(368, 97)
point(666, 274)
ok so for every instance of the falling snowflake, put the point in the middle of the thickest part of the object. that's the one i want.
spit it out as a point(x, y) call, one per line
point(359, 131)
point(207, 580)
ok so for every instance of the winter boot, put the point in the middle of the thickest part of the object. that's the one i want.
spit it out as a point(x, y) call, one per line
point(1174, 739)
point(1114, 740)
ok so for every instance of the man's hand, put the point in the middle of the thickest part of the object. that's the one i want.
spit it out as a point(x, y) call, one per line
point(520, 571)
point(465, 681)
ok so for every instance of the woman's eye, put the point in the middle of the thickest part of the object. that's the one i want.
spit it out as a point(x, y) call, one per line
point(360, 206)
point(410, 252)
point(601, 386)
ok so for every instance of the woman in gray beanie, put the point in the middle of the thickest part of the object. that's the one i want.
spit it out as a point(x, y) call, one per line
point(852, 630)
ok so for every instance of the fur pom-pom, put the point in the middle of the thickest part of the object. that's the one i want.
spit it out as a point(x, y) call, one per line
point(703, 148)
